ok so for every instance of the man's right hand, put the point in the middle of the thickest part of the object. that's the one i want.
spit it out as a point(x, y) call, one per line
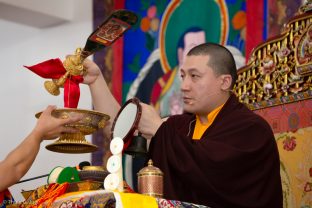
point(49, 127)
point(150, 120)
point(92, 72)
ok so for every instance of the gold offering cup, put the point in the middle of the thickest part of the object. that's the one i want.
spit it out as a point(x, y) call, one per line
point(73, 66)
point(93, 173)
point(84, 186)
point(76, 142)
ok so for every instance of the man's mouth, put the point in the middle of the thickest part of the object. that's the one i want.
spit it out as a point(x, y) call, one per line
point(187, 100)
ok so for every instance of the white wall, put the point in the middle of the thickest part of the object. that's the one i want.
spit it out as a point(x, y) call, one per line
point(22, 93)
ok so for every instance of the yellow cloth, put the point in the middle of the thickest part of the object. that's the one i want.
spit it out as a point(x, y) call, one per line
point(296, 166)
point(74, 194)
point(200, 128)
point(137, 201)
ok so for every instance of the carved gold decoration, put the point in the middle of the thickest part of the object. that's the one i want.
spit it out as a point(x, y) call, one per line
point(280, 69)
point(73, 66)
point(76, 142)
point(93, 173)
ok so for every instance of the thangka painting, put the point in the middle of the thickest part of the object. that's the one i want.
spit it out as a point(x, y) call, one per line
point(279, 12)
point(150, 54)
point(166, 31)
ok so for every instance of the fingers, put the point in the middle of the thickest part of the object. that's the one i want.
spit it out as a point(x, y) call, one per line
point(57, 132)
point(69, 130)
point(49, 110)
point(87, 62)
point(90, 64)
point(72, 119)
point(51, 137)
point(136, 132)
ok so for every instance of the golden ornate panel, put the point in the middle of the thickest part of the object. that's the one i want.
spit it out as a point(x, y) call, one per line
point(280, 69)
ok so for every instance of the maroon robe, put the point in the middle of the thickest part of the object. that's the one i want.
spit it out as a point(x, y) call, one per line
point(234, 164)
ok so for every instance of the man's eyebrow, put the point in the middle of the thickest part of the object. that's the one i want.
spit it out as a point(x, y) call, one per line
point(191, 70)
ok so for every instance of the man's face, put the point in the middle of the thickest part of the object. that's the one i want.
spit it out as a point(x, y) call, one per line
point(200, 86)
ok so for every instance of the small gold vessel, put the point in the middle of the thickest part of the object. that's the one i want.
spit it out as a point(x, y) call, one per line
point(76, 142)
point(93, 173)
point(150, 180)
point(84, 186)
point(93, 168)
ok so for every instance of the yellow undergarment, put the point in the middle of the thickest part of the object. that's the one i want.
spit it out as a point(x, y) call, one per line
point(200, 128)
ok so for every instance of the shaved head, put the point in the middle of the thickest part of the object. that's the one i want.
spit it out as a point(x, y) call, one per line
point(220, 59)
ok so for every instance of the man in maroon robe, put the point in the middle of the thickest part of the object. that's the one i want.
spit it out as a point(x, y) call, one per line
point(218, 153)
point(234, 164)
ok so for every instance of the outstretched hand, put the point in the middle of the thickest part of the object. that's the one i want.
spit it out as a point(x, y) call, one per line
point(49, 127)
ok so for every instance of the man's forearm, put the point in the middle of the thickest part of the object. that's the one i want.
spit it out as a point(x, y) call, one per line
point(104, 101)
point(18, 162)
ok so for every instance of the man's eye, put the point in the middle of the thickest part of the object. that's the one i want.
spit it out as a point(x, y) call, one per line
point(194, 75)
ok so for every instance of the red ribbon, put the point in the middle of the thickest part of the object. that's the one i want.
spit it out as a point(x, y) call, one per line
point(54, 69)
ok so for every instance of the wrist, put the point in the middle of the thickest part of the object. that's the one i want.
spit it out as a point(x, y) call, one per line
point(156, 127)
point(37, 135)
point(99, 79)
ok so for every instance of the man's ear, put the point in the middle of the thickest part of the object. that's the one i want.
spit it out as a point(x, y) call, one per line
point(226, 82)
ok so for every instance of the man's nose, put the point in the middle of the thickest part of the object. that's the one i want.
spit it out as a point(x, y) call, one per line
point(185, 85)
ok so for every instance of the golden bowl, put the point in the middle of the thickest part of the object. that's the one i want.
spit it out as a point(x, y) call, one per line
point(84, 186)
point(93, 173)
point(76, 142)
point(98, 176)
point(93, 167)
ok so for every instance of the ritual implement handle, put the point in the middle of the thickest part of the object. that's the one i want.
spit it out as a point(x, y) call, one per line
point(30, 179)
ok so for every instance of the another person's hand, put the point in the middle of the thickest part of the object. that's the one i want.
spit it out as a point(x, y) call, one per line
point(92, 72)
point(49, 127)
point(150, 120)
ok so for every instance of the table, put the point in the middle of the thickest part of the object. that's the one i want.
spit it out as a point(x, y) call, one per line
point(108, 199)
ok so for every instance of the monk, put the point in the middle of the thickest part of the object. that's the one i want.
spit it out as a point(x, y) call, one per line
point(18, 162)
point(218, 153)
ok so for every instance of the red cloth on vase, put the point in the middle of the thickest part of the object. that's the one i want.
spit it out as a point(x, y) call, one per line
point(54, 69)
